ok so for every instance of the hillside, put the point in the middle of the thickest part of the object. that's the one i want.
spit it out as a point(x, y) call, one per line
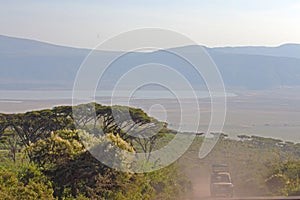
point(29, 64)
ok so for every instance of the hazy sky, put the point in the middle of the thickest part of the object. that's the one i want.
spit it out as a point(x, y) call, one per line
point(84, 23)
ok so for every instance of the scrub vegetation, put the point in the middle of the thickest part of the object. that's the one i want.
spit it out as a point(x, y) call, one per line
point(43, 157)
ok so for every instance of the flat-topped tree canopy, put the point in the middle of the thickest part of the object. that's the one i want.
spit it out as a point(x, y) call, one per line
point(94, 118)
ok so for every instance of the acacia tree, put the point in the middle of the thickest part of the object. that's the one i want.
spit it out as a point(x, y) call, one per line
point(3, 123)
point(35, 125)
point(72, 168)
point(11, 142)
point(131, 124)
point(8, 138)
point(53, 144)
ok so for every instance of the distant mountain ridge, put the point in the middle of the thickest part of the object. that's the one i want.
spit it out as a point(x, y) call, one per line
point(29, 64)
point(285, 50)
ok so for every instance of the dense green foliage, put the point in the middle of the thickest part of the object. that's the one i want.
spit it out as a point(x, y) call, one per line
point(26, 182)
point(56, 164)
point(284, 178)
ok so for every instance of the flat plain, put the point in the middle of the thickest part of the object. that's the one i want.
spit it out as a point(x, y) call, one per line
point(268, 113)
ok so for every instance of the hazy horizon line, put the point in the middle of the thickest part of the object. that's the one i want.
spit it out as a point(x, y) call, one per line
point(204, 45)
